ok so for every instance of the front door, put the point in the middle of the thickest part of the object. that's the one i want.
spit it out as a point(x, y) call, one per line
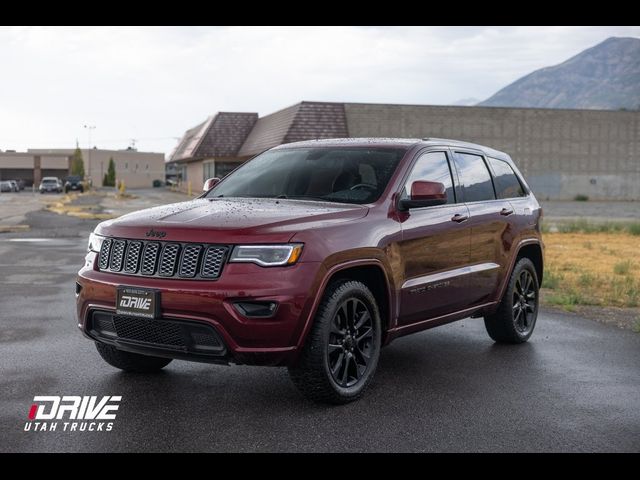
point(435, 247)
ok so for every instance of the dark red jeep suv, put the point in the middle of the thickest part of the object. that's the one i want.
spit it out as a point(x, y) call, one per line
point(314, 255)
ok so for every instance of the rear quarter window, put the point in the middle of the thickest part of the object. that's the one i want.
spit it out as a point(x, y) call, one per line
point(505, 179)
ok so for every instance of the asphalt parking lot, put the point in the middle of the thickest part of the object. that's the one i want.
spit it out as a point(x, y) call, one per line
point(574, 387)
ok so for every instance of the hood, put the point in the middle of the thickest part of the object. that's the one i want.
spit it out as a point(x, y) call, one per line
point(230, 220)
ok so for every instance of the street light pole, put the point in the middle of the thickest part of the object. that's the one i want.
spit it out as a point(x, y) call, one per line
point(89, 129)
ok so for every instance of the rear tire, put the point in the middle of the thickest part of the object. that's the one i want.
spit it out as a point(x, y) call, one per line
point(341, 351)
point(515, 318)
point(131, 362)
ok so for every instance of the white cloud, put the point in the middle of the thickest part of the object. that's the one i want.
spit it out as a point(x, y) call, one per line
point(152, 83)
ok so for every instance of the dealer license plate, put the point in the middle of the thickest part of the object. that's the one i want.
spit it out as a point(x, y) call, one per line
point(138, 302)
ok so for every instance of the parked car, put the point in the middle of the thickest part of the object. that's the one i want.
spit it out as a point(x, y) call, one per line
point(6, 186)
point(20, 184)
point(73, 183)
point(313, 255)
point(50, 184)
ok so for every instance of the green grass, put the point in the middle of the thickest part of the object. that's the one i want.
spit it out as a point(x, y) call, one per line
point(552, 279)
point(633, 295)
point(636, 326)
point(634, 228)
point(622, 268)
point(586, 280)
point(568, 300)
point(581, 198)
point(584, 226)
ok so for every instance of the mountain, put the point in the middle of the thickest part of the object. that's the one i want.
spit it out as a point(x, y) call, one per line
point(606, 77)
point(465, 102)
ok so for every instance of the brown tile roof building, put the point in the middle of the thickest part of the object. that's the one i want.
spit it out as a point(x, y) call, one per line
point(221, 135)
point(303, 121)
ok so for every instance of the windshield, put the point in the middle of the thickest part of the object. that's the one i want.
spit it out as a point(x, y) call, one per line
point(345, 175)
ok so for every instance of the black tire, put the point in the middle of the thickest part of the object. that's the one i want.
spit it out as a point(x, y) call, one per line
point(515, 318)
point(342, 337)
point(131, 362)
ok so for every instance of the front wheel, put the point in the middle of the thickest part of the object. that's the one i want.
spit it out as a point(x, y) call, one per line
point(341, 352)
point(515, 318)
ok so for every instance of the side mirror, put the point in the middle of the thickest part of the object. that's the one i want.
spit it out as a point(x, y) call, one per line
point(210, 183)
point(425, 194)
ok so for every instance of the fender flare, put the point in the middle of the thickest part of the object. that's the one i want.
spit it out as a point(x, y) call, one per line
point(323, 285)
point(512, 263)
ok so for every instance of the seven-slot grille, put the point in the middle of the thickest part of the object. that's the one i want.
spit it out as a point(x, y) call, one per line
point(162, 259)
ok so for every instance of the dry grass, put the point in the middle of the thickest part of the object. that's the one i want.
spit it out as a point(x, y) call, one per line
point(64, 207)
point(592, 269)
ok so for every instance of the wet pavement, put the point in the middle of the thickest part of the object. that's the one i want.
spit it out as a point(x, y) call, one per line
point(574, 387)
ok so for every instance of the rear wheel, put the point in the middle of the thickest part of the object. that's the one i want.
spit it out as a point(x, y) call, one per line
point(131, 362)
point(341, 352)
point(515, 318)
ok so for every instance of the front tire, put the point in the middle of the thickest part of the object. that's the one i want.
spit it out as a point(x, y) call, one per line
point(131, 362)
point(515, 318)
point(341, 352)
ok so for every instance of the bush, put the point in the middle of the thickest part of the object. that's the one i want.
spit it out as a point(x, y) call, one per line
point(634, 228)
point(552, 279)
point(622, 268)
point(581, 198)
point(110, 177)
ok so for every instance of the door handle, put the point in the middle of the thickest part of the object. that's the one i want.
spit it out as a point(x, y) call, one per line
point(459, 218)
point(506, 211)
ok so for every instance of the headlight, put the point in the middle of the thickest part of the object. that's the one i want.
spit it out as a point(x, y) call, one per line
point(267, 255)
point(95, 243)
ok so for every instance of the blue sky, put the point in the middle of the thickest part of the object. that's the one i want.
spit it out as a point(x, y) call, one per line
point(152, 83)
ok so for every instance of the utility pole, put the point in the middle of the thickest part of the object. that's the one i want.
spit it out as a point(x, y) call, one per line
point(89, 129)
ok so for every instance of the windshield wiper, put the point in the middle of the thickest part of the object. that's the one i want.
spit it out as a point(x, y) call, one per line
point(308, 197)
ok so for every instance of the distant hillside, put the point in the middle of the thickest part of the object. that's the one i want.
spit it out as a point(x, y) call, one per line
point(465, 102)
point(606, 77)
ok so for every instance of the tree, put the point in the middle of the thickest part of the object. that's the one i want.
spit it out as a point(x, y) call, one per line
point(110, 177)
point(77, 164)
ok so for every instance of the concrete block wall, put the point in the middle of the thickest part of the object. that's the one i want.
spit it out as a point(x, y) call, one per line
point(563, 153)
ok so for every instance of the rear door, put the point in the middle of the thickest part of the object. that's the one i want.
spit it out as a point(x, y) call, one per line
point(434, 250)
point(490, 222)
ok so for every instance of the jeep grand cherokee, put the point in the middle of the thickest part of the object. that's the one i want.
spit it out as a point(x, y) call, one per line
point(314, 255)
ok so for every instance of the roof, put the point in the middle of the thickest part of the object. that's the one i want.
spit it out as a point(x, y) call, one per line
point(354, 142)
point(302, 121)
point(462, 144)
point(190, 140)
point(391, 142)
point(221, 135)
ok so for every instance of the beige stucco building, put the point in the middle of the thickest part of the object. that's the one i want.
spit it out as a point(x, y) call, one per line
point(136, 169)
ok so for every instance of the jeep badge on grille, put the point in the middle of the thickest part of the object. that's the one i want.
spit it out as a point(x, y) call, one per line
point(156, 233)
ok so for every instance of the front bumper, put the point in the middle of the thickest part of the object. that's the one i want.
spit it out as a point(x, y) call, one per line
point(257, 341)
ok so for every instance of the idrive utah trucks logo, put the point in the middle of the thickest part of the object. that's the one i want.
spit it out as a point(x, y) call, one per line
point(72, 413)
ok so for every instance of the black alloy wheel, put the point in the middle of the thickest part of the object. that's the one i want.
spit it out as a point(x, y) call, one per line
point(350, 342)
point(524, 302)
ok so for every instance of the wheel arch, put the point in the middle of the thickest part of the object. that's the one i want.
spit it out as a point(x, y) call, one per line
point(370, 272)
point(532, 249)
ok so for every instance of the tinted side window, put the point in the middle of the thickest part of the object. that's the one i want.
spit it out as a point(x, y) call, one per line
point(507, 184)
point(433, 167)
point(474, 177)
